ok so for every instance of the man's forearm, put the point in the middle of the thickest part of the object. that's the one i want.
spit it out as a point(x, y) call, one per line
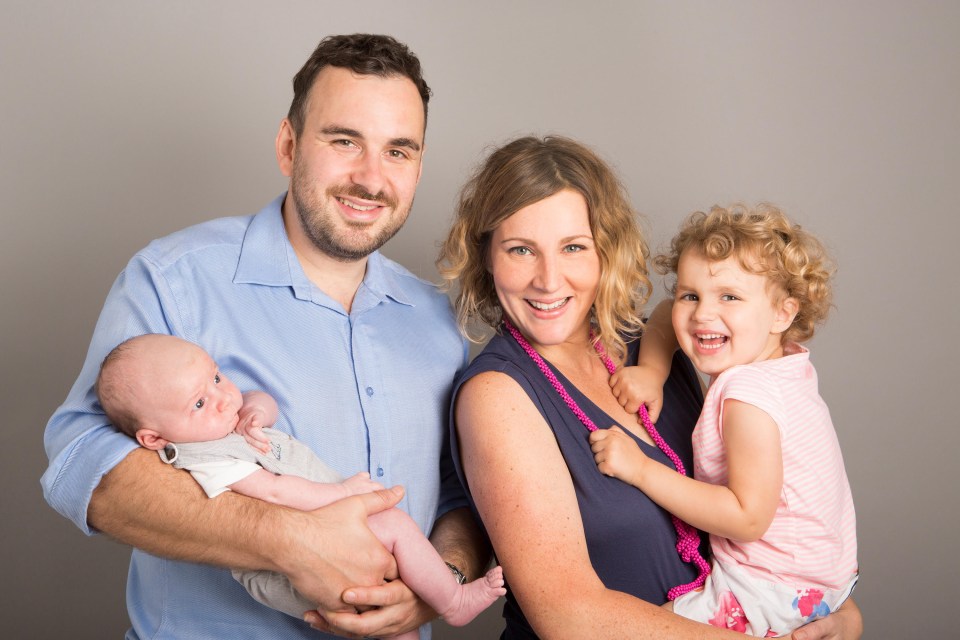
point(460, 541)
point(154, 507)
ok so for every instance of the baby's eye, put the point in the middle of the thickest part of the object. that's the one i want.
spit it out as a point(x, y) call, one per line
point(216, 379)
point(728, 297)
point(199, 404)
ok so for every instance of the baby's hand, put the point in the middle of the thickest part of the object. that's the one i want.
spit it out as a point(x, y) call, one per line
point(617, 454)
point(360, 483)
point(633, 386)
point(251, 427)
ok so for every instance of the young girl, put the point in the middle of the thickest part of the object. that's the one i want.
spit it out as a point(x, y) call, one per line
point(770, 486)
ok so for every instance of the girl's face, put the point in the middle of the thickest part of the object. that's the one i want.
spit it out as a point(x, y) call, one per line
point(725, 315)
point(546, 269)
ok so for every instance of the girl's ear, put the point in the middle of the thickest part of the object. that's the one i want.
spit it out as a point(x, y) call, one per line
point(150, 439)
point(786, 312)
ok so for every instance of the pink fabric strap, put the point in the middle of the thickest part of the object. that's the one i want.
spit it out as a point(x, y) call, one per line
point(688, 540)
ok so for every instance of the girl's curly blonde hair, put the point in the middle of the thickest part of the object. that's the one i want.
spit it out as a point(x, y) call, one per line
point(765, 242)
point(528, 170)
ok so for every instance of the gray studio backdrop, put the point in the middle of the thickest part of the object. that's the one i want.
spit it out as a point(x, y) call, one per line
point(123, 121)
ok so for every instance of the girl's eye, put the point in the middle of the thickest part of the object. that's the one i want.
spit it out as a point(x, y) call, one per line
point(728, 297)
point(199, 404)
point(688, 297)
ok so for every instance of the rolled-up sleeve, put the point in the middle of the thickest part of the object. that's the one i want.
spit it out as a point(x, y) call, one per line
point(80, 443)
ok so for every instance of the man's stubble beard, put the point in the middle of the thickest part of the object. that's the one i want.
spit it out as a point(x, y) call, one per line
point(320, 225)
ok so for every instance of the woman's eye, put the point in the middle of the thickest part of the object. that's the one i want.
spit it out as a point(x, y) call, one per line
point(574, 248)
point(520, 251)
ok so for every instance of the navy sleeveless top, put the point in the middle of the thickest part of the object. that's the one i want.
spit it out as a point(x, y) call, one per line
point(630, 539)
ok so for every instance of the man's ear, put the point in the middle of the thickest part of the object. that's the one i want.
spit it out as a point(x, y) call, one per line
point(786, 312)
point(150, 439)
point(286, 147)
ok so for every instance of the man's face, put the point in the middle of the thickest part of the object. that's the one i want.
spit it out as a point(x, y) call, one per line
point(356, 164)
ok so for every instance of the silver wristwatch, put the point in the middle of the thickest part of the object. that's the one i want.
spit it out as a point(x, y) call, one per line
point(457, 573)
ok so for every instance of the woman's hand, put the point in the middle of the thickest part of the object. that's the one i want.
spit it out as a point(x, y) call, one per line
point(845, 623)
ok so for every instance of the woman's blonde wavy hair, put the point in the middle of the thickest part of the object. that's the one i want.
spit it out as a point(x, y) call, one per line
point(523, 172)
point(765, 242)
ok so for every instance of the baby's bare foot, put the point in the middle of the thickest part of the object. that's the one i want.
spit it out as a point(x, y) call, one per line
point(476, 596)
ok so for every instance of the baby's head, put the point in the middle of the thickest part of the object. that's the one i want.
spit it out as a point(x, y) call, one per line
point(761, 243)
point(160, 389)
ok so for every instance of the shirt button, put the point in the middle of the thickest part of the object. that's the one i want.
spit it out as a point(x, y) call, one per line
point(370, 391)
point(379, 472)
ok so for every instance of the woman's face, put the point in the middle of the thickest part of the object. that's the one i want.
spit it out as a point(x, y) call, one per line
point(546, 269)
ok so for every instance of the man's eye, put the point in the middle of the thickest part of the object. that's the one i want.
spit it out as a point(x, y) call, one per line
point(199, 404)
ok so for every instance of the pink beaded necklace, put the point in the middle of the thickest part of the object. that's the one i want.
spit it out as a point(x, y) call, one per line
point(688, 540)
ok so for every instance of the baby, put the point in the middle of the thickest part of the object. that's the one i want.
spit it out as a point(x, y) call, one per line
point(170, 396)
point(770, 486)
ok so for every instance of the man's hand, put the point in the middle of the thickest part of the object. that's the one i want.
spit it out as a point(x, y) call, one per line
point(360, 483)
point(386, 610)
point(332, 549)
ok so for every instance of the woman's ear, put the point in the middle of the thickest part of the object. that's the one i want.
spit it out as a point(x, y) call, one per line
point(786, 311)
point(150, 439)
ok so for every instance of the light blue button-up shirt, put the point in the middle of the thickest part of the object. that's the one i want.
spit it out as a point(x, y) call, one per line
point(367, 391)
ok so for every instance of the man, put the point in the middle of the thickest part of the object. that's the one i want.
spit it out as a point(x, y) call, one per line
point(360, 354)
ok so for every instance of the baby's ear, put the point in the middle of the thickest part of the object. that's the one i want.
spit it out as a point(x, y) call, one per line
point(786, 312)
point(150, 439)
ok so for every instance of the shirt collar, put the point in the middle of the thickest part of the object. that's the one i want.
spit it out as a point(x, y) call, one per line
point(267, 258)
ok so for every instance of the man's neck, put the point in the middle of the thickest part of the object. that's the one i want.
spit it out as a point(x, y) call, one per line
point(339, 280)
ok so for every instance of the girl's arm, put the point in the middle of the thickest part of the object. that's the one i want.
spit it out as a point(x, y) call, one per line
point(299, 493)
point(525, 497)
point(643, 383)
point(741, 510)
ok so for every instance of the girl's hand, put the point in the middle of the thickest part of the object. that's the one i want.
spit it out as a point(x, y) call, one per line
point(617, 454)
point(633, 386)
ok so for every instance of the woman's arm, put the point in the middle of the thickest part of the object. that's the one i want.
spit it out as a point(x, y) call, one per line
point(525, 496)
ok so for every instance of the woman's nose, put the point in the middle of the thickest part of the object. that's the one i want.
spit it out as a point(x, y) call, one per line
point(548, 274)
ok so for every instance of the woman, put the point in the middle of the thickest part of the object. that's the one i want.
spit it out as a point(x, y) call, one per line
point(546, 246)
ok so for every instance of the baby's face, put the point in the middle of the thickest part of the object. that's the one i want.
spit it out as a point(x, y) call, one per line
point(192, 401)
